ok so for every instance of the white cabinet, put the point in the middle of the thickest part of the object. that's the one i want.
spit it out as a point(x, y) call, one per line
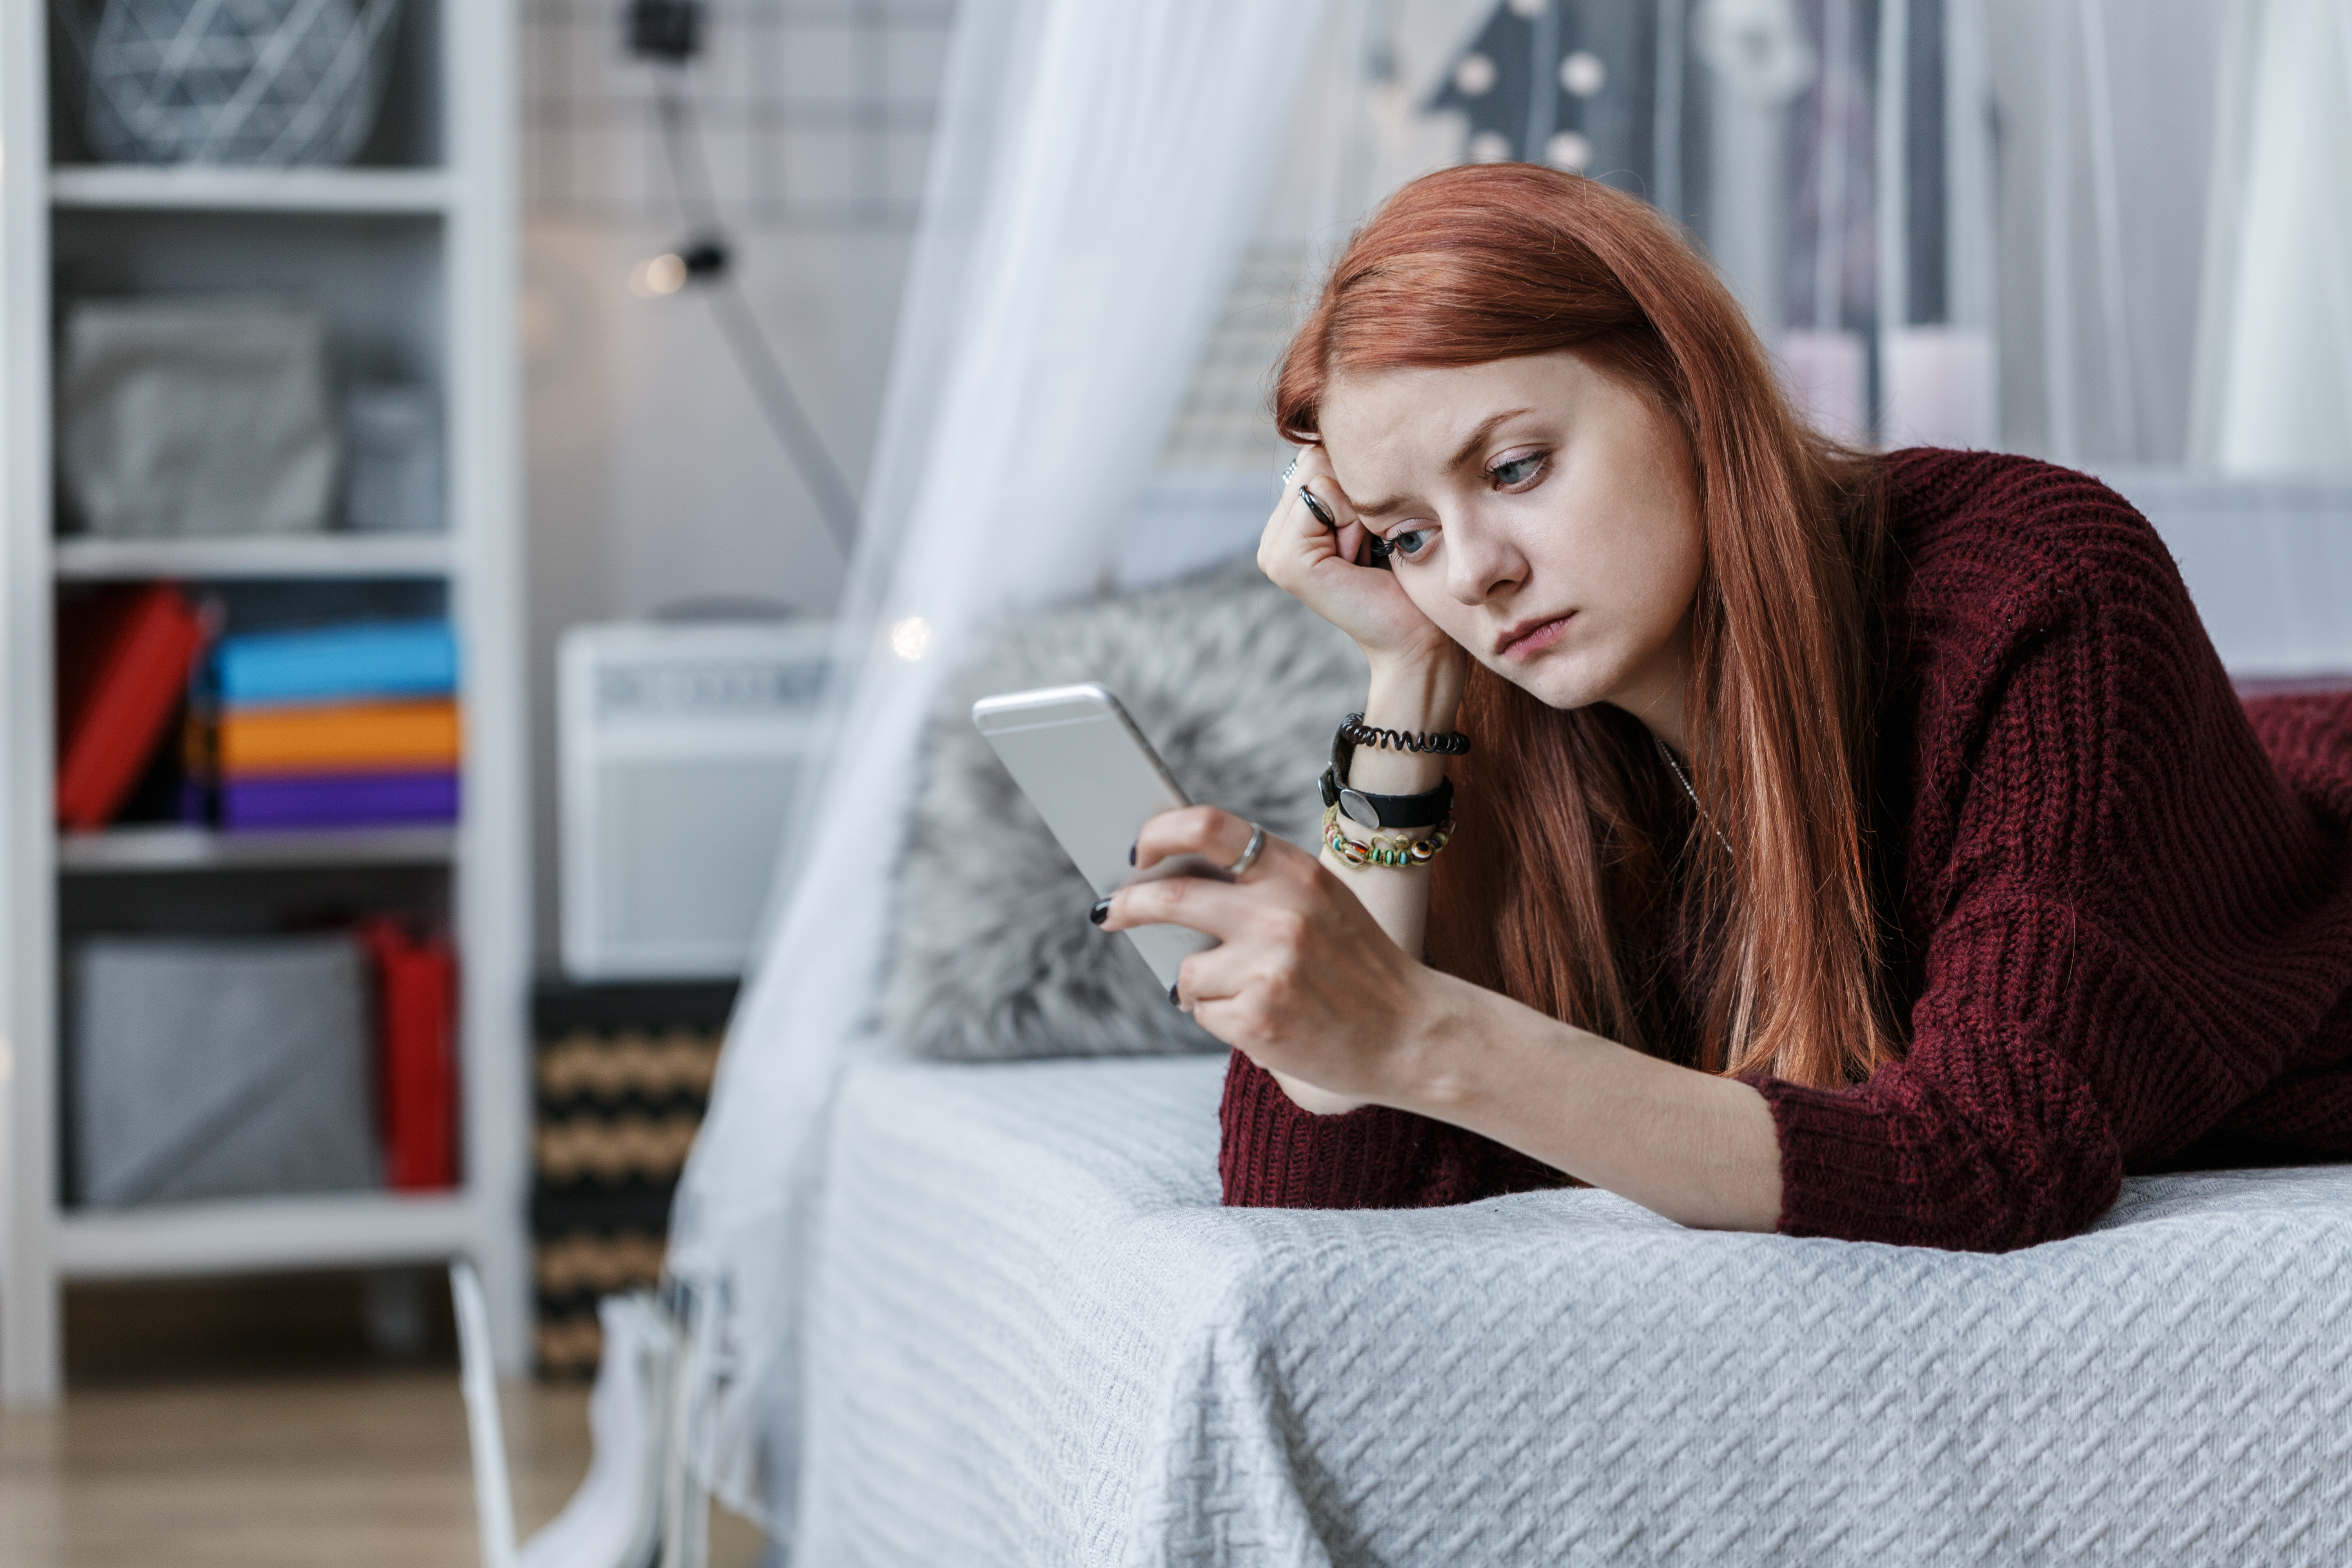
point(411, 254)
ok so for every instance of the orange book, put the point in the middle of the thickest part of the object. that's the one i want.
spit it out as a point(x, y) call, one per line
point(346, 738)
point(124, 661)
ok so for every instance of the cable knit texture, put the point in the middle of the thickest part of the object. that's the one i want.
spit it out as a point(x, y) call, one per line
point(2123, 898)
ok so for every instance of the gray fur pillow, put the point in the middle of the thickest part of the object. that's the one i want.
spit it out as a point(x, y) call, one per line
point(1238, 687)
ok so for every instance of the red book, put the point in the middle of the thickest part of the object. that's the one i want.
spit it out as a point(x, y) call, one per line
point(416, 993)
point(123, 661)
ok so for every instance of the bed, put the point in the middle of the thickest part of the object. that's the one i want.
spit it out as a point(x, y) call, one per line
point(1034, 1337)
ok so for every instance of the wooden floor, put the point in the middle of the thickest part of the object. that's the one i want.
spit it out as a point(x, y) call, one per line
point(352, 1468)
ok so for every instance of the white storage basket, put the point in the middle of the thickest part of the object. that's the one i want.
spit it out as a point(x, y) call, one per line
point(273, 82)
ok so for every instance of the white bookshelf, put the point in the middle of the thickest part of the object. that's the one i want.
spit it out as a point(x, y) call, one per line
point(411, 256)
point(263, 1234)
point(174, 848)
point(141, 188)
point(292, 555)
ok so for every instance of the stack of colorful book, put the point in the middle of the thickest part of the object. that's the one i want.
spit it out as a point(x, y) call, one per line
point(341, 726)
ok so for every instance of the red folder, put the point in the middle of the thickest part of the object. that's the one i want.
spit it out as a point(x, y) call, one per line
point(123, 661)
point(416, 993)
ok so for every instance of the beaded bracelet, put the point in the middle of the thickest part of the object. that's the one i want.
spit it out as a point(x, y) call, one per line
point(1450, 744)
point(1401, 854)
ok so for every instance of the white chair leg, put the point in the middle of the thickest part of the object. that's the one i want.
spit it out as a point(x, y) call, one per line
point(618, 1517)
point(493, 1497)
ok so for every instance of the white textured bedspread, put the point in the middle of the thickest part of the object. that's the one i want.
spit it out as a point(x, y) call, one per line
point(1035, 1339)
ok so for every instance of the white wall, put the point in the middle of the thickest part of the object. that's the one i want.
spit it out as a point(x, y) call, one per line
point(652, 478)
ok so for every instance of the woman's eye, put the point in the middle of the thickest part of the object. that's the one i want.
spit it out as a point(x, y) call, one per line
point(1408, 541)
point(1518, 470)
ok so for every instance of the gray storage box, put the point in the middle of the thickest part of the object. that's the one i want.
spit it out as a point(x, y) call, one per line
point(195, 415)
point(208, 1068)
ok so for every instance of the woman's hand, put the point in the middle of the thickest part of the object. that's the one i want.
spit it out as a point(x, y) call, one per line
point(1306, 982)
point(1317, 565)
point(1308, 986)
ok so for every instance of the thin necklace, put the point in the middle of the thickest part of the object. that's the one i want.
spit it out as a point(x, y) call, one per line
point(1684, 779)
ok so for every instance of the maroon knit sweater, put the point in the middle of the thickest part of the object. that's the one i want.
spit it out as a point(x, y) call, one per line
point(2126, 901)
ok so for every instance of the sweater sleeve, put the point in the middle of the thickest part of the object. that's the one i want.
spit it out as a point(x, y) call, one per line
point(1276, 1155)
point(2124, 909)
point(1992, 1132)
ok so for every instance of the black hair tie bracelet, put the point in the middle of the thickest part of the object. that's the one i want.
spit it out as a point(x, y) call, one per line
point(1449, 744)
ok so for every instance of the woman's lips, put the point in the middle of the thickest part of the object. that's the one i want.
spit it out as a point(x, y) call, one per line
point(1520, 643)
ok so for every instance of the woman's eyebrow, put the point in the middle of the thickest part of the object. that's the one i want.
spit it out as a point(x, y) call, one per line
point(1463, 456)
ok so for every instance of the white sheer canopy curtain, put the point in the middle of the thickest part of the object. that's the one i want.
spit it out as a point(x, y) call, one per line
point(2273, 385)
point(2173, 218)
point(1096, 171)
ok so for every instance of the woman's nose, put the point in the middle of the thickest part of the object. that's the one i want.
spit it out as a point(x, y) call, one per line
point(1483, 562)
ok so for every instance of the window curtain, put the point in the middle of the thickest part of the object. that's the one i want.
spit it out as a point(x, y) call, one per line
point(1096, 171)
point(2107, 113)
point(2273, 378)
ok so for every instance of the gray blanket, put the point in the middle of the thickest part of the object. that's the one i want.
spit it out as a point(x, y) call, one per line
point(1035, 1339)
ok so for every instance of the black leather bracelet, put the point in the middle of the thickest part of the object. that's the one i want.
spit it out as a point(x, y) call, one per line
point(1392, 810)
point(1367, 810)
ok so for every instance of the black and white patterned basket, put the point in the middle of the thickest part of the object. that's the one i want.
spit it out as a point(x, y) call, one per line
point(272, 82)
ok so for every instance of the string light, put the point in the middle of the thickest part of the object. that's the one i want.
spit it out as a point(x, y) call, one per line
point(660, 275)
point(911, 638)
point(1584, 74)
point(1568, 151)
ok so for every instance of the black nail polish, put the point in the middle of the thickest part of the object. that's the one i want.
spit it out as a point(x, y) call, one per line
point(1172, 1000)
point(1131, 854)
point(1100, 912)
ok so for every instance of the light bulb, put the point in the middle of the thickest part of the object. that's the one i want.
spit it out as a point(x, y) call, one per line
point(1568, 151)
point(911, 638)
point(660, 275)
point(1489, 147)
point(1584, 74)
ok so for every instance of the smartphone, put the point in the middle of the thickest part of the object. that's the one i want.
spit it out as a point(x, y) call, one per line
point(1095, 781)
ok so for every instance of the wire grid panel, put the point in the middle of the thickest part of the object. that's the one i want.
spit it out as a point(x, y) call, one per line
point(813, 114)
point(272, 82)
point(1226, 424)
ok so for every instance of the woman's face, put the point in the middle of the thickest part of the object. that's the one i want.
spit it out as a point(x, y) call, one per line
point(1542, 513)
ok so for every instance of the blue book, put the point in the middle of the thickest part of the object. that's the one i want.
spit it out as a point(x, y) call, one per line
point(327, 663)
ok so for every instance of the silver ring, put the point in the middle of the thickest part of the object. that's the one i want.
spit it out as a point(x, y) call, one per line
point(1290, 471)
point(1321, 512)
point(1249, 855)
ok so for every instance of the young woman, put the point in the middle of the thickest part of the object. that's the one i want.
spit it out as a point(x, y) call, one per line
point(1863, 846)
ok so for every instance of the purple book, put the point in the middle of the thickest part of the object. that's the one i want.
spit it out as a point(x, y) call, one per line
point(338, 800)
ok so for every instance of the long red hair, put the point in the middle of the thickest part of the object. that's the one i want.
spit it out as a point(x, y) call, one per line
point(1552, 889)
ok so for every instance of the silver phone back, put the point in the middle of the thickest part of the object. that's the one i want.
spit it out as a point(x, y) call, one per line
point(1095, 781)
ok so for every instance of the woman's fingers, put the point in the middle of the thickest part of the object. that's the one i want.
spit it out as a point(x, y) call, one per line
point(1304, 526)
point(1303, 978)
point(1203, 903)
point(1332, 520)
point(1201, 830)
point(1318, 566)
point(1330, 517)
point(1215, 908)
